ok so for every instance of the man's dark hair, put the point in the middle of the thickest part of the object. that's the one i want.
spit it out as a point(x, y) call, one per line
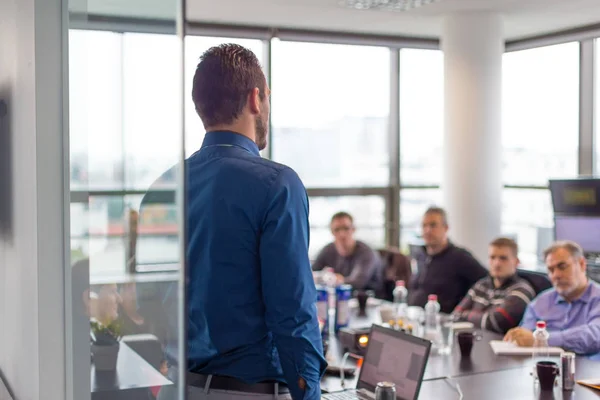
point(342, 214)
point(439, 211)
point(223, 80)
point(508, 243)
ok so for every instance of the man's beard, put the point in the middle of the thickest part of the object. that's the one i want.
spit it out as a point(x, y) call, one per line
point(262, 129)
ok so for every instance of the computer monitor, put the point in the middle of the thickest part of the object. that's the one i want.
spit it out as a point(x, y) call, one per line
point(583, 230)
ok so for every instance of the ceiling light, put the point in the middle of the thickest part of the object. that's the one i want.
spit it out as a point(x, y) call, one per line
point(394, 5)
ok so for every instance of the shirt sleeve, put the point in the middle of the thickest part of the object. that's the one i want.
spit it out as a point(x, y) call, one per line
point(530, 317)
point(504, 316)
point(288, 289)
point(582, 339)
point(461, 311)
point(365, 266)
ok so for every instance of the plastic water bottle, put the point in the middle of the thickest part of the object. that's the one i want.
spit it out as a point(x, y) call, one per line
point(330, 281)
point(328, 277)
point(540, 349)
point(432, 326)
point(400, 296)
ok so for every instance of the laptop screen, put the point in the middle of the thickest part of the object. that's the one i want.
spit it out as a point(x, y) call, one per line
point(394, 356)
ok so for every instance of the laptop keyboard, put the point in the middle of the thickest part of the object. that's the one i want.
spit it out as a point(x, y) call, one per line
point(348, 395)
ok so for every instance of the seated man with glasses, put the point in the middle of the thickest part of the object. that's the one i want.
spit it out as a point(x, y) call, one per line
point(571, 309)
point(353, 261)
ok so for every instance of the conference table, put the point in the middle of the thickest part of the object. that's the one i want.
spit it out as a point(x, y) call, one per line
point(484, 375)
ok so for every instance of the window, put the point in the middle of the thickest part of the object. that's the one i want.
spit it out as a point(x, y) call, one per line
point(413, 204)
point(124, 135)
point(528, 218)
point(540, 136)
point(96, 137)
point(540, 117)
point(421, 116)
point(368, 213)
point(330, 108)
point(150, 77)
point(597, 111)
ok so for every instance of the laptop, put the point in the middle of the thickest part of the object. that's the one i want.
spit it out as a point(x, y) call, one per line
point(391, 356)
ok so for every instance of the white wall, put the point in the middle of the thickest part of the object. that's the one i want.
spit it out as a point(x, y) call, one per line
point(32, 344)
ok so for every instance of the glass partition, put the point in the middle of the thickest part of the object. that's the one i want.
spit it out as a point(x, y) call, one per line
point(126, 148)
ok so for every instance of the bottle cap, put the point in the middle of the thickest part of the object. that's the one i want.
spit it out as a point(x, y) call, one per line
point(432, 297)
point(540, 324)
point(400, 283)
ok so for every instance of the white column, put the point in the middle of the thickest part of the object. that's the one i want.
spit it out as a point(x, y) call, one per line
point(34, 180)
point(473, 44)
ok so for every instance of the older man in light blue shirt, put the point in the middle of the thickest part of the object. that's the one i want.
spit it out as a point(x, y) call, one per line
point(571, 309)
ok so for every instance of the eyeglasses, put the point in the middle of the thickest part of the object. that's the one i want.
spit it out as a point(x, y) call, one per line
point(342, 229)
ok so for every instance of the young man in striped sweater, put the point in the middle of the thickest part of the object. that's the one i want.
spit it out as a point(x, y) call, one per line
point(498, 301)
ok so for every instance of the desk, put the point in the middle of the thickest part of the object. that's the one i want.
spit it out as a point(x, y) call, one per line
point(131, 381)
point(482, 360)
point(483, 376)
point(514, 384)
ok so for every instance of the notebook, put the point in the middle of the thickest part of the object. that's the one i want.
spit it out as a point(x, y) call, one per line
point(502, 348)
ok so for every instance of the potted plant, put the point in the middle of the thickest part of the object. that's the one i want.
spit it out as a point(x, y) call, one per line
point(105, 344)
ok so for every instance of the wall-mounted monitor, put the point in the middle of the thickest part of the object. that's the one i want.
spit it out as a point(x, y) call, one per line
point(576, 196)
point(584, 230)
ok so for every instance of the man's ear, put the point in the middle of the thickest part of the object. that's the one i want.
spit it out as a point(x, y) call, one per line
point(254, 102)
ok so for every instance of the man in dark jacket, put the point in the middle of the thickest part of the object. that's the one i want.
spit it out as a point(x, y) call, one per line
point(445, 270)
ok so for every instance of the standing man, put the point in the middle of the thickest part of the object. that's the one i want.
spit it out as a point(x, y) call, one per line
point(445, 270)
point(252, 323)
point(353, 261)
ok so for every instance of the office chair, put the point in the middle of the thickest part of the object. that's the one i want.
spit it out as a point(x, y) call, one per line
point(396, 267)
point(538, 280)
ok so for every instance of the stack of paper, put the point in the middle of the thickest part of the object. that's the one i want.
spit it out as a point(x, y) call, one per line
point(508, 348)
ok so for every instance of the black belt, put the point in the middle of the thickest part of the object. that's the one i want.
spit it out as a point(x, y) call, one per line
point(220, 382)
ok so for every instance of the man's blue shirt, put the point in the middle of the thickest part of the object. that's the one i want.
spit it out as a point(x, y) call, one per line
point(251, 295)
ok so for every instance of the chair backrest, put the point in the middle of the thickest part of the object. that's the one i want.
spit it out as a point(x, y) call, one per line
point(396, 267)
point(538, 280)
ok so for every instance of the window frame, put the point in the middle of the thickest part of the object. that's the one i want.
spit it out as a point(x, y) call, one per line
point(587, 163)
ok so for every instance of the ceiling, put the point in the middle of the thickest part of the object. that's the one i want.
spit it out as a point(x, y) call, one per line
point(523, 18)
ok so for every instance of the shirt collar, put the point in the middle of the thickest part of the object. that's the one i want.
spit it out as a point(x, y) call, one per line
point(229, 138)
point(441, 253)
point(509, 281)
point(584, 298)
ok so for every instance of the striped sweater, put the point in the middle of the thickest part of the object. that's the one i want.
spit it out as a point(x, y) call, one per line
point(495, 309)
